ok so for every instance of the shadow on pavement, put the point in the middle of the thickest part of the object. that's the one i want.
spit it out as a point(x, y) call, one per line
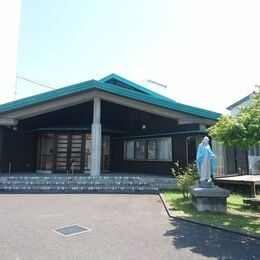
point(211, 242)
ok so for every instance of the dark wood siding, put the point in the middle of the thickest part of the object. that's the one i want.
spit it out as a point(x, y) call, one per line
point(120, 165)
point(1, 148)
point(179, 150)
point(131, 120)
point(19, 149)
point(75, 116)
point(242, 161)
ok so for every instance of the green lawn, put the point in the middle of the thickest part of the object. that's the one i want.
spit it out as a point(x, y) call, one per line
point(238, 216)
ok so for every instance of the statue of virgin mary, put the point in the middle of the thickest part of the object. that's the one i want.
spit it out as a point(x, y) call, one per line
point(206, 161)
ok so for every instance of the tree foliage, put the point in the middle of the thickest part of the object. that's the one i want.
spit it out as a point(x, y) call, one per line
point(241, 131)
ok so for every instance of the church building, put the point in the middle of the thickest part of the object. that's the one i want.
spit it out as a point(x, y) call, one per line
point(110, 125)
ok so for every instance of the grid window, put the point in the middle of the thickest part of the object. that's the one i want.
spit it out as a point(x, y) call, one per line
point(156, 149)
point(139, 149)
point(129, 150)
point(151, 149)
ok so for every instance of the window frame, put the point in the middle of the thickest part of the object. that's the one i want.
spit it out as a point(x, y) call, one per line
point(156, 149)
point(144, 150)
point(146, 140)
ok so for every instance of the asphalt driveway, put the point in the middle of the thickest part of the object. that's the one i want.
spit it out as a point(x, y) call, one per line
point(123, 227)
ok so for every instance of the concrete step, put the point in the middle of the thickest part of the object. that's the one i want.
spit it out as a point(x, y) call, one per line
point(65, 177)
point(78, 189)
point(83, 184)
point(50, 182)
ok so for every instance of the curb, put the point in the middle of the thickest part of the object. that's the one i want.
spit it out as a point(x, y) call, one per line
point(241, 233)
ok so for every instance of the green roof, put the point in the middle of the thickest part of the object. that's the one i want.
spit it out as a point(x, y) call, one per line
point(121, 87)
point(125, 83)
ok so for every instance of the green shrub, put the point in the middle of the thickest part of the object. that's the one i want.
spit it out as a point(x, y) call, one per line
point(185, 177)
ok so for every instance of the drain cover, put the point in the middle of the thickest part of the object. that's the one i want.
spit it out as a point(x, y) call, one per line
point(71, 230)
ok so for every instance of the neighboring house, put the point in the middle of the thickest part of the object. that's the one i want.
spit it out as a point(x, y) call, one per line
point(248, 161)
point(108, 125)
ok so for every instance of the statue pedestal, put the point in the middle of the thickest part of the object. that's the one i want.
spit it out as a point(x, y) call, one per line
point(209, 199)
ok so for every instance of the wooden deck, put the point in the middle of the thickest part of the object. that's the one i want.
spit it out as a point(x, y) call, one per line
point(250, 180)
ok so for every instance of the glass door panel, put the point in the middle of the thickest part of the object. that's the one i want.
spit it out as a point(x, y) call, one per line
point(45, 152)
point(105, 162)
point(75, 152)
point(62, 152)
point(69, 153)
point(105, 152)
point(88, 152)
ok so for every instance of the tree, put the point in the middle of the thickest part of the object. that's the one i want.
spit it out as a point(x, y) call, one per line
point(241, 131)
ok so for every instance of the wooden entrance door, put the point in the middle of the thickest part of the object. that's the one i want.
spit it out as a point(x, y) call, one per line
point(69, 153)
point(62, 153)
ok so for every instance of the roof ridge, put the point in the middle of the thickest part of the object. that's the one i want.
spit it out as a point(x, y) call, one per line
point(134, 85)
point(170, 103)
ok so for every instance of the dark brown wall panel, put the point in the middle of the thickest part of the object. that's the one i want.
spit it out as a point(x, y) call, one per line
point(1, 147)
point(242, 161)
point(179, 150)
point(119, 164)
point(19, 149)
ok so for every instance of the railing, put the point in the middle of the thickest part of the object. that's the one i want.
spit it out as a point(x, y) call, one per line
point(70, 167)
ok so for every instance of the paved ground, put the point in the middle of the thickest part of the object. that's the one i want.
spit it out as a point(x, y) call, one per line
point(124, 227)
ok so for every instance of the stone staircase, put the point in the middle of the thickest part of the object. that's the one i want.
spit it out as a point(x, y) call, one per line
point(75, 184)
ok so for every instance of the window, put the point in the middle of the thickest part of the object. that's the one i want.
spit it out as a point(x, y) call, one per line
point(139, 150)
point(151, 149)
point(219, 151)
point(254, 150)
point(156, 149)
point(164, 149)
point(129, 150)
point(45, 152)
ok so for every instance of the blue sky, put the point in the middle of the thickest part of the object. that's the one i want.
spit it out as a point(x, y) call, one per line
point(206, 52)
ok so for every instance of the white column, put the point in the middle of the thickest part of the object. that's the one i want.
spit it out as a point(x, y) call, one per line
point(96, 138)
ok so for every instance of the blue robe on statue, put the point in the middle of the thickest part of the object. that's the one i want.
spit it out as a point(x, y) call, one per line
point(204, 152)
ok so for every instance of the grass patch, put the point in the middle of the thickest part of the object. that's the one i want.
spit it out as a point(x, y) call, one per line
point(239, 216)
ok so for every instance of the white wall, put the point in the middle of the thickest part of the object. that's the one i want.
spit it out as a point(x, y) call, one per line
point(235, 111)
point(156, 87)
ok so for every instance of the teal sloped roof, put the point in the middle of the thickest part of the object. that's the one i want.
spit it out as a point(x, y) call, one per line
point(46, 96)
point(135, 92)
point(131, 85)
